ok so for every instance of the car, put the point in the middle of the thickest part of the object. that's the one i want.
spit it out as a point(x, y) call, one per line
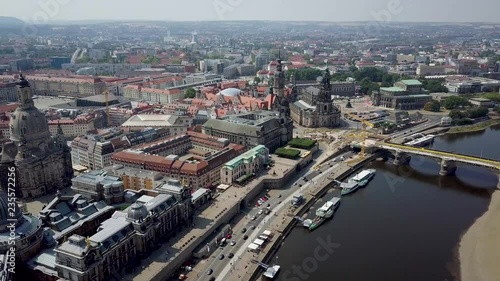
point(231, 255)
point(233, 242)
point(211, 279)
point(279, 196)
point(268, 205)
point(245, 237)
point(260, 212)
point(243, 230)
point(229, 236)
point(210, 271)
point(221, 257)
point(254, 218)
point(252, 227)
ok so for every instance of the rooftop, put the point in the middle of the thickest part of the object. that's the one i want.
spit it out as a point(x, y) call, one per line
point(392, 89)
point(412, 82)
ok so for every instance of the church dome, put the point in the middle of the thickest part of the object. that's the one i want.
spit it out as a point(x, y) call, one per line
point(6, 216)
point(137, 211)
point(230, 92)
point(29, 124)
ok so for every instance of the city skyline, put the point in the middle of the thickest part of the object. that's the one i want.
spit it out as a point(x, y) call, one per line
point(34, 11)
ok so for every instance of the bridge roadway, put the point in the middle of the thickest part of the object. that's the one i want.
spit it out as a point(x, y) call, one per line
point(478, 161)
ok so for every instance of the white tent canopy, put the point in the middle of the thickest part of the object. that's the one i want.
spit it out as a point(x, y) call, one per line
point(267, 233)
point(253, 246)
point(258, 242)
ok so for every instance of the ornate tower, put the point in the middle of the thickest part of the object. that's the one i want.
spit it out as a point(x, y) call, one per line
point(281, 103)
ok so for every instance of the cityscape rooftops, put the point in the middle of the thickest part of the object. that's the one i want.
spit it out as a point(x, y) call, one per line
point(412, 82)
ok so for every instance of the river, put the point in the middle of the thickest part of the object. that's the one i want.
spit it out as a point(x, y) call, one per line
point(405, 225)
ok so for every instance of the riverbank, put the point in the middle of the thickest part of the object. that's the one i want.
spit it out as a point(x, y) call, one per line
point(474, 128)
point(479, 250)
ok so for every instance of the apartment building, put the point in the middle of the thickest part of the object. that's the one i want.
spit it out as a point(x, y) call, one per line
point(79, 126)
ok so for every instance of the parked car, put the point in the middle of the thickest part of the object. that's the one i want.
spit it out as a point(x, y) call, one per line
point(233, 242)
point(254, 218)
point(221, 257)
point(245, 237)
point(231, 255)
point(252, 227)
point(243, 230)
point(260, 212)
point(210, 271)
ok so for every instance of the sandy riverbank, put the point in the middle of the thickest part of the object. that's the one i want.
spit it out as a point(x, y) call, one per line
point(479, 249)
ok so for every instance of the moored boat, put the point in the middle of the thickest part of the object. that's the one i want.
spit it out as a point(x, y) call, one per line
point(324, 212)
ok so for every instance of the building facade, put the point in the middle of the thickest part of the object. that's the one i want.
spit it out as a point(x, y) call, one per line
point(316, 108)
point(8, 92)
point(405, 95)
point(42, 162)
point(82, 87)
point(245, 165)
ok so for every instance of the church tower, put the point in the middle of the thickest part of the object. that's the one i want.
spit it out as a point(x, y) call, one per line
point(281, 103)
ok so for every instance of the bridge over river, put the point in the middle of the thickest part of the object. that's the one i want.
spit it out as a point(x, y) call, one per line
point(402, 156)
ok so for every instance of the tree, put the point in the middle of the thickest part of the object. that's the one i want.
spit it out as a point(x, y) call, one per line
point(256, 80)
point(434, 85)
point(455, 102)
point(477, 112)
point(492, 96)
point(190, 93)
point(497, 109)
point(432, 106)
point(456, 114)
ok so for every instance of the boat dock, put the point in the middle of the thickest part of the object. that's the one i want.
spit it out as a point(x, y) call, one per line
point(270, 271)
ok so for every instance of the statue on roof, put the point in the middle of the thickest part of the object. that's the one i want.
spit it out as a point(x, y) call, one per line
point(22, 83)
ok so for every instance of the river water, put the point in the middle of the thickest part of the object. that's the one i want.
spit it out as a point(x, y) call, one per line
point(405, 225)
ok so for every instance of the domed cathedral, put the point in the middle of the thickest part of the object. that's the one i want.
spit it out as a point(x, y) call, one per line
point(42, 162)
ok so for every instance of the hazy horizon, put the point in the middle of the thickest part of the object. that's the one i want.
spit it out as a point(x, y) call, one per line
point(455, 11)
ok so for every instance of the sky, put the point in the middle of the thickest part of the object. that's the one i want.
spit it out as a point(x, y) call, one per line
point(43, 11)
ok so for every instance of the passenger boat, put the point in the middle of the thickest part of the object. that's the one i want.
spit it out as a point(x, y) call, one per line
point(359, 180)
point(325, 212)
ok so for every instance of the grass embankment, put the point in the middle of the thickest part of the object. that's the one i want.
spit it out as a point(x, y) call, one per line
point(474, 128)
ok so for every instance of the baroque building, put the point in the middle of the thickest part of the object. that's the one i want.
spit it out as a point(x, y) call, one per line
point(316, 108)
point(42, 162)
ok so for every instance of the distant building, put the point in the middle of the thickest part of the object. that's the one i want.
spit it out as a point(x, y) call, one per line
point(467, 85)
point(21, 65)
point(405, 95)
point(262, 59)
point(106, 68)
point(429, 70)
point(245, 165)
point(176, 125)
point(481, 102)
point(8, 92)
point(57, 62)
point(316, 108)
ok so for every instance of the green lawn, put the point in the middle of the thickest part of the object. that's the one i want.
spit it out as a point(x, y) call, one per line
point(302, 143)
point(287, 153)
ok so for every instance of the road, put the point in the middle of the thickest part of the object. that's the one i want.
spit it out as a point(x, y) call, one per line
point(296, 185)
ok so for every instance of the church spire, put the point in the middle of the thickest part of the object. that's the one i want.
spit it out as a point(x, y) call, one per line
point(24, 94)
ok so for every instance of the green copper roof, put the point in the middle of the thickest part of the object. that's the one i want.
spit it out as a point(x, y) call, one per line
point(392, 89)
point(246, 157)
point(412, 82)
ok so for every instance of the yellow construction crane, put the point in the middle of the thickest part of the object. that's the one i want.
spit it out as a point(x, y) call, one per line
point(364, 125)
